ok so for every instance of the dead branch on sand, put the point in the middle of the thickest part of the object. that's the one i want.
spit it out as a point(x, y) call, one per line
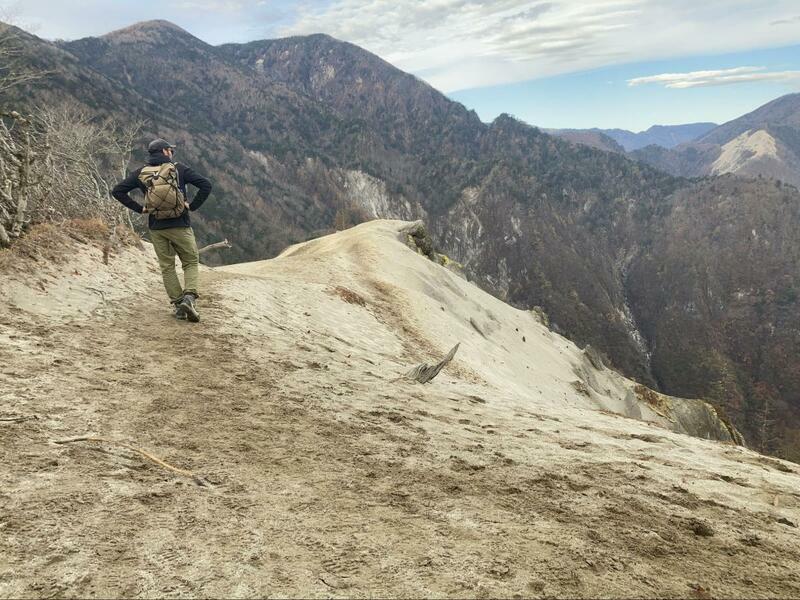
point(18, 419)
point(424, 373)
point(223, 244)
point(196, 478)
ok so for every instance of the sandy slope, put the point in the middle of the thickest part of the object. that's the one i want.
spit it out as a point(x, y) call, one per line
point(332, 478)
point(749, 146)
point(756, 153)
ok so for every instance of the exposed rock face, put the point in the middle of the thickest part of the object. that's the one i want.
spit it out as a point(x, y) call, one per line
point(757, 153)
point(694, 417)
point(369, 194)
point(294, 132)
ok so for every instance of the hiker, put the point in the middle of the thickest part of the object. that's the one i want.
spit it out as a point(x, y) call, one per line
point(163, 183)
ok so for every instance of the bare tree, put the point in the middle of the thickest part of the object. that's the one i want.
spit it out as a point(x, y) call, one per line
point(16, 149)
point(59, 162)
point(16, 156)
point(764, 417)
point(77, 158)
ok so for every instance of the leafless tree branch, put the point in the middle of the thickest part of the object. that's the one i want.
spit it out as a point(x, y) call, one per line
point(222, 244)
point(60, 164)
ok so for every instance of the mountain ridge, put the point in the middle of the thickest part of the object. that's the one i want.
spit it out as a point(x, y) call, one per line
point(766, 142)
point(536, 220)
point(664, 136)
point(783, 109)
point(324, 471)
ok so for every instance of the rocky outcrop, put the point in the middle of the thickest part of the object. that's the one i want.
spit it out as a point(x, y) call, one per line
point(694, 417)
point(683, 415)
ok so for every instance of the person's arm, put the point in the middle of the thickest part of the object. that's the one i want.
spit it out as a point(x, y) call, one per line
point(202, 184)
point(121, 191)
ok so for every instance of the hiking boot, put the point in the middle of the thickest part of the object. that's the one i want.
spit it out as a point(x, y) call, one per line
point(187, 304)
point(180, 313)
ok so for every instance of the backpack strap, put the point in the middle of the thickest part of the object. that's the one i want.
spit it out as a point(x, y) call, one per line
point(178, 176)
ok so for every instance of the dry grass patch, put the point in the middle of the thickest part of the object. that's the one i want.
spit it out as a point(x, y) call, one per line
point(349, 296)
point(50, 242)
point(658, 402)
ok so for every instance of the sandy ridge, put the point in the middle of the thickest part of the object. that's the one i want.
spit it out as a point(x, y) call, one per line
point(329, 481)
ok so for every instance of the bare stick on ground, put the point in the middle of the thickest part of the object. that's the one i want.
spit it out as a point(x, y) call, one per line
point(424, 373)
point(197, 479)
point(18, 419)
point(222, 244)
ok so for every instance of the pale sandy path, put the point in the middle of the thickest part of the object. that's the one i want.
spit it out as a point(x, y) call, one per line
point(332, 481)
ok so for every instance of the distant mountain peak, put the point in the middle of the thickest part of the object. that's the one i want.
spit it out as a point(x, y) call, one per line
point(139, 32)
point(506, 120)
point(782, 112)
point(664, 136)
point(595, 138)
point(764, 142)
point(691, 126)
point(151, 25)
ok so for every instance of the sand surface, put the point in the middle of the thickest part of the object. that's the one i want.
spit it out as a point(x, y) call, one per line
point(750, 146)
point(331, 477)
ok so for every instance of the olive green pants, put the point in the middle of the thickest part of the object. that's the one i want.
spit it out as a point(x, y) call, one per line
point(180, 241)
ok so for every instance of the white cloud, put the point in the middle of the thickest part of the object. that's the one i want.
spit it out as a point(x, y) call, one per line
point(458, 44)
point(788, 21)
point(720, 77)
point(219, 6)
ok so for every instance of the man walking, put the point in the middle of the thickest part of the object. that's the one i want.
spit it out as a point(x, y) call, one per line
point(163, 184)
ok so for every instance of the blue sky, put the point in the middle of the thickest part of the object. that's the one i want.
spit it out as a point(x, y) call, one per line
point(603, 98)
point(553, 63)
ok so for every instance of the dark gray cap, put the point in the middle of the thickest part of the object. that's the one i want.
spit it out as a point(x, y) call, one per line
point(158, 145)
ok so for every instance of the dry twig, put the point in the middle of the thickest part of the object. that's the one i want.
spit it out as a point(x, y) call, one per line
point(197, 479)
point(223, 244)
point(19, 419)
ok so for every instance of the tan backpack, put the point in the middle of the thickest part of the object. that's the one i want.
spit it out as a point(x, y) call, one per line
point(163, 198)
